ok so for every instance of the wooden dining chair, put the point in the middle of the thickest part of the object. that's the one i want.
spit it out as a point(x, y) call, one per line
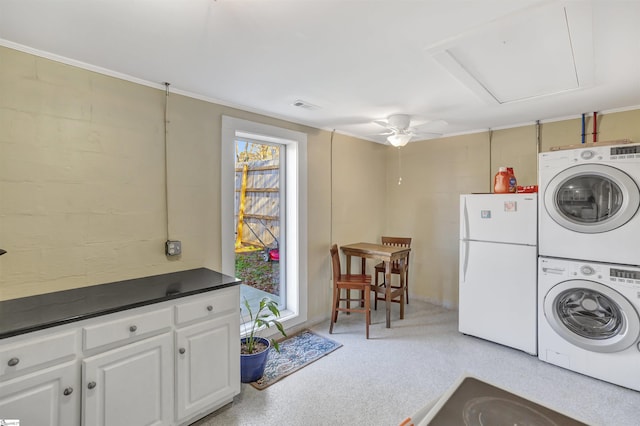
point(348, 282)
point(395, 269)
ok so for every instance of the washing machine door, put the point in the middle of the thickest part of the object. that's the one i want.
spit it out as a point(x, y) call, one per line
point(591, 198)
point(592, 316)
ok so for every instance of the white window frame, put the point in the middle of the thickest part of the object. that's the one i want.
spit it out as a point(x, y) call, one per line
point(295, 146)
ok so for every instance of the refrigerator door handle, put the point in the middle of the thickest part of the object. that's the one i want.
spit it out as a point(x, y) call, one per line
point(465, 222)
point(465, 259)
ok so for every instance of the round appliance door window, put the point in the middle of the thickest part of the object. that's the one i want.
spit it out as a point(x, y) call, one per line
point(592, 198)
point(592, 316)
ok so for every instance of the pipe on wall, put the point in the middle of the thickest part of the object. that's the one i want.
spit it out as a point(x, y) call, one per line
point(491, 183)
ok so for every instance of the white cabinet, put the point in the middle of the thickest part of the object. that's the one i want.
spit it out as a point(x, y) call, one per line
point(167, 363)
point(47, 397)
point(208, 352)
point(130, 385)
point(207, 367)
point(40, 380)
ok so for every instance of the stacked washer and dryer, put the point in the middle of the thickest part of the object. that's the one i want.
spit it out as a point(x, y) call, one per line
point(589, 264)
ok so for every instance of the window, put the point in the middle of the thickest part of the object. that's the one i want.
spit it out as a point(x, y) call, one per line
point(294, 208)
point(260, 189)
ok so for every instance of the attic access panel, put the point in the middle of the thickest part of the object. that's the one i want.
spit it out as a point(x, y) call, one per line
point(518, 57)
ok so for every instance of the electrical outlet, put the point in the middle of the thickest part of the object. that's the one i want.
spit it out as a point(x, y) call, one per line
point(173, 248)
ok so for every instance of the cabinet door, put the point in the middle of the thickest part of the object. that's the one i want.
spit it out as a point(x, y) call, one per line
point(207, 365)
point(48, 397)
point(131, 385)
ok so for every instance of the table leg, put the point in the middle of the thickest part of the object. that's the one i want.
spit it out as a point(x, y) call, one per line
point(363, 269)
point(348, 290)
point(403, 266)
point(387, 291)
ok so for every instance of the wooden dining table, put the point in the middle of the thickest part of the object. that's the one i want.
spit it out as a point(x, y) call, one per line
point(386, 254)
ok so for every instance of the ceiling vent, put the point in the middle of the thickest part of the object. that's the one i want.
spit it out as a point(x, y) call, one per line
point(304, 104)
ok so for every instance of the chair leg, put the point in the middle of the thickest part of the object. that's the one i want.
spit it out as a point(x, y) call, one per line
point(406, 286)
point(334, 310)
point(375, 300)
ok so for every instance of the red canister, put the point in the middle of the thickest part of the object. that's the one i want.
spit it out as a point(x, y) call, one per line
point(501, 181)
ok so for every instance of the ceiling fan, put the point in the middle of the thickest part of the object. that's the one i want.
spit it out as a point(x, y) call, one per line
point(399, 131)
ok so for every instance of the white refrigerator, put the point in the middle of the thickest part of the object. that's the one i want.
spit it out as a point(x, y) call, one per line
point(498, 269)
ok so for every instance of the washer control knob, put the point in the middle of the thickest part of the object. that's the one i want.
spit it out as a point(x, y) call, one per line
point(587, 270)
point(587, 154)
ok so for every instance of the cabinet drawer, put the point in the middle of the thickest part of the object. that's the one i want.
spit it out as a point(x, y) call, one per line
point(208, 305)
point(126, 328)
point(36, 352)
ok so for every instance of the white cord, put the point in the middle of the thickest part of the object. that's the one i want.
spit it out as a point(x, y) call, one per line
point(399, 167)
point(166, 155)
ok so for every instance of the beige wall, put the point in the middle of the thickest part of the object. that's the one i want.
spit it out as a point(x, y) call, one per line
point(82, 198)
point(82, 183)
point(425, 207)
point(436, 172)
point(614, 126)
point(359, 191)
point(515, 148)
point(81, 177)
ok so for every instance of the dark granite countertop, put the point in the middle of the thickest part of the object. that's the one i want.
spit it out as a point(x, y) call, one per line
point(27, 314)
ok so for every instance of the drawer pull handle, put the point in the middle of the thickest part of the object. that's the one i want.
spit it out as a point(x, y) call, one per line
point(13, 362)
point(133, 328)
point(91, 385)
point(182, 351)
point(68, 391)
point(209, 308)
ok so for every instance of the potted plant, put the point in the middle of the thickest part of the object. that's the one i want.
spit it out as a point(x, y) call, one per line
point(254, 350)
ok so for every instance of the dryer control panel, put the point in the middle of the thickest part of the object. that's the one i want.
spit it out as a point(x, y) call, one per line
point(625, 276)
point(624, 151)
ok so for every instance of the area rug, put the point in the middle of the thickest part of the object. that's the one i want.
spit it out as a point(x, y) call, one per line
point(295, 353)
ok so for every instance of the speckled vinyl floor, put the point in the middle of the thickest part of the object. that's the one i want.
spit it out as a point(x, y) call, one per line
point(383, 380)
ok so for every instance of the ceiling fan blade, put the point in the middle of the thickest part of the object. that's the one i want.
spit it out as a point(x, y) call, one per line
point(382, 123)
point(435, 124)
point(399, 124)
point(426, 135)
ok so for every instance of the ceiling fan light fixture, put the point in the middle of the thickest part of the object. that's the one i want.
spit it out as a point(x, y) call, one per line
point(399, 139)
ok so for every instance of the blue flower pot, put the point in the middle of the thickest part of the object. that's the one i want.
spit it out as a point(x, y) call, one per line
point(252, 365)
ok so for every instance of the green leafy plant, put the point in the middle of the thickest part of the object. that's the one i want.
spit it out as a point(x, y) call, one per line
point(265, 317)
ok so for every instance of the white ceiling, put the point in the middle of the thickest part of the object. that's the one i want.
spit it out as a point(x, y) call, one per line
point(475, 64)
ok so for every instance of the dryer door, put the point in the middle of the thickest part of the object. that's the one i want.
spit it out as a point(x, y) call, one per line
point(591, 198)
point(592, 316)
